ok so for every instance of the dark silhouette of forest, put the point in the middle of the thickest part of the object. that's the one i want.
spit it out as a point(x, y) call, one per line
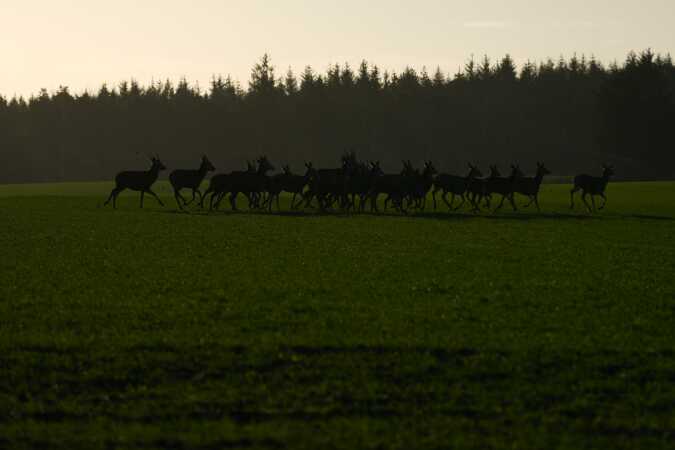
point(573, 114)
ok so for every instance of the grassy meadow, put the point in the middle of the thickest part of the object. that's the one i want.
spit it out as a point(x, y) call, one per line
point(160, 329)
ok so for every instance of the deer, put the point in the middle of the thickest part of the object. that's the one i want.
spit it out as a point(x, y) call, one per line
point(329, 185)
point(396, 186)
point(190, 179)
point(529, 186)
point(137, 181)
point(422, 184)
point(250, 184)
point(287, 182)
point(478, 188)
point(592, 185)
point(505, 186)
point(455, 185)
point(219, 186)
point(296, 183)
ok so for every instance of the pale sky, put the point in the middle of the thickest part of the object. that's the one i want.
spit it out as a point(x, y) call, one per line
point(84, 43)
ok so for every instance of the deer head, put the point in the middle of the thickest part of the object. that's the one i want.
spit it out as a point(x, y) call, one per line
point(157, 164)
point(542, 170)
point(264, 165)
point(607, 170)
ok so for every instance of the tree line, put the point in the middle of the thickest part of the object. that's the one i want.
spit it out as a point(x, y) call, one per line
point(572, 113)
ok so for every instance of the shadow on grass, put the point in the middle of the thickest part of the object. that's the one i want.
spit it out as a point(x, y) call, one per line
point(437, 215)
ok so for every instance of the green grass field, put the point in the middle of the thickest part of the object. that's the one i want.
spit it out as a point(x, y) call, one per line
point(157, 329)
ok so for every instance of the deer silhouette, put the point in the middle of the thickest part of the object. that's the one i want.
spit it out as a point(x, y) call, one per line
point(250, 184)
point(422, 185)
point(505, 186)
point(593, 186)
point(288, 182)
point(478, 188)
point(455, 185)
point(529, 186)
point(219, 186)
point(330, 185)
point(396, 186)
point(137, 181)
point(190, 179)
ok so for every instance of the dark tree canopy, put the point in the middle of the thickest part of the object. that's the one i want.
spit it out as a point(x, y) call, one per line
point(574, 114)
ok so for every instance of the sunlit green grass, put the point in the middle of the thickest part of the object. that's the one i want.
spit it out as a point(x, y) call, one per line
point(154, 328)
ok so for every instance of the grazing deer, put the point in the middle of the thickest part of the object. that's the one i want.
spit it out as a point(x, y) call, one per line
point(455, 185)
point(593, 186)
point(190, 179)
point(137, 181)
point(529, 186)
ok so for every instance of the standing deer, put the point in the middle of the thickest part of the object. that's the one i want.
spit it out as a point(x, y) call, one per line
point(455, 185)
point(190, 179)
point(593, 186)
point(529, 186)
point(137, 181)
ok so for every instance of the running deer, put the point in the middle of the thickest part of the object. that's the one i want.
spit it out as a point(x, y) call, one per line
point(189, 179)
point(423, 184)
point(455, 185)
point(137, 181)
point(296, 184)
point(251, 185)
point(529, 186)
point(505, 186)
point(477, 188)
point(593, 186)
point(219, 186)
point(286, 182)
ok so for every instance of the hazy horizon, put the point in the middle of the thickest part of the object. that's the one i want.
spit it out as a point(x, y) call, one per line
point(83, 45)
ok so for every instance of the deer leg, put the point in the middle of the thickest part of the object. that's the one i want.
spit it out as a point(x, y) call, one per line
point(115, 197)
point(233, 201)
point(193, 197)
point(112, 195)
point(604, 201)
point(593, 201)
point(500, 204)
point(178, 197)
point(536, 202)
point(433, 197)
point(572, 192)
point(155, 195)
point(583, 197)
point(512, 201)
point(444, 197)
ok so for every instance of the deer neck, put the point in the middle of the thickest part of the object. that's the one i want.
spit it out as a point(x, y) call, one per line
point(538, 178)
point(154, 172)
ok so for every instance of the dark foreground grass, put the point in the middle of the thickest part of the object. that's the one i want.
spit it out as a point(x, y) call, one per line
point(158, 329)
